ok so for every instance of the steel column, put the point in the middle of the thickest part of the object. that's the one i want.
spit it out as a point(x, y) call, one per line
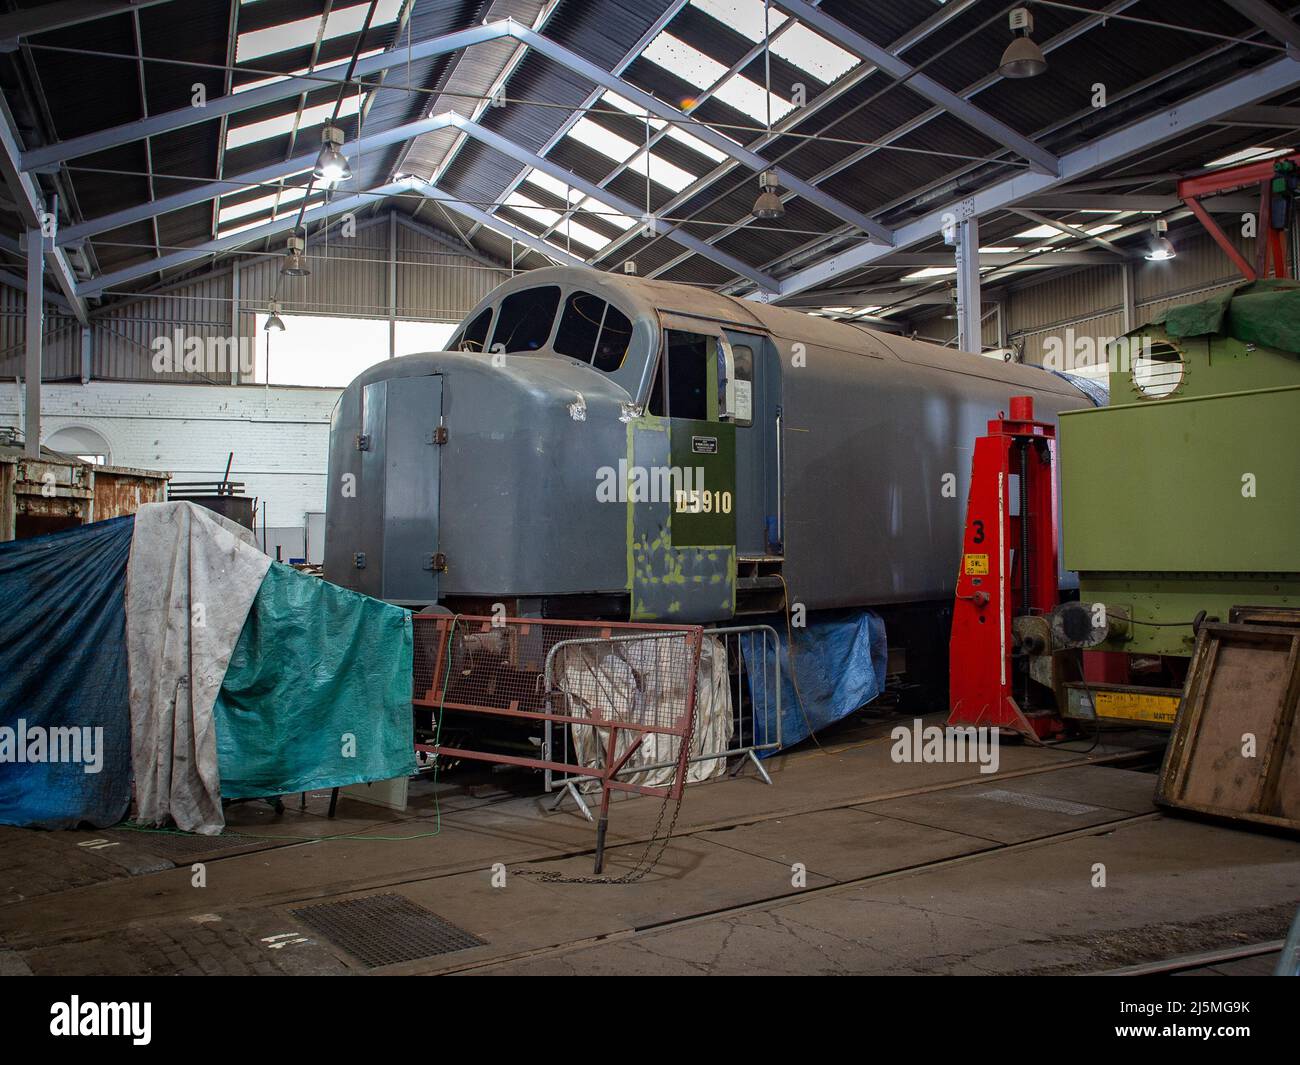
point(87, 353)
point(969, 331)
point(35, 328)
point(1129, 298)
point(30, 202)
point(236, 330)
point(392, 283)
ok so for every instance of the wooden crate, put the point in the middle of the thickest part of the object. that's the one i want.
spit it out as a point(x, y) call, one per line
point(1244, 681)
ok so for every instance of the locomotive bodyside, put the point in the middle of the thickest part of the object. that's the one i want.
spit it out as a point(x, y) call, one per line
point(679, 467)
point(878, 445)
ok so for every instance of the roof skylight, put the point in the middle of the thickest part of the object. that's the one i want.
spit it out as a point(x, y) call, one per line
point(238, 136)
point(621, 150)
point(797, 45)
point(1249, 155)
point(612, 99)
point(554, 186)
point(228, 213)
point(286, 209)
point(328, 68)
point(302, 33)
point(702, 71)
point(546, 218)
point(929, 271)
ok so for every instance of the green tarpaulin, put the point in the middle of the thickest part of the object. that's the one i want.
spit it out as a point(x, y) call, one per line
point(317, 693)
point(1262, 312)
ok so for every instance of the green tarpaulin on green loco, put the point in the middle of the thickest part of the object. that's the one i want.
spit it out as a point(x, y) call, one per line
point(1262, 312)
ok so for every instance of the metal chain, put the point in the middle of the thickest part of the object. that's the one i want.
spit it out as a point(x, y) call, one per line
point(642, 868)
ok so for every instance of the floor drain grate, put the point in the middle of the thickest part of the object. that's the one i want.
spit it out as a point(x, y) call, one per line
point(385, 929)
point(1038, 802)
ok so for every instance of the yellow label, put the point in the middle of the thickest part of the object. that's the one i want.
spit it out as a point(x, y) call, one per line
point(1133, 706)
point(976, 565)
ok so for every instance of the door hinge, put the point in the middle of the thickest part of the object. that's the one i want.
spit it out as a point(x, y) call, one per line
point(436, 436)
point(436, 562)
point(362, 442)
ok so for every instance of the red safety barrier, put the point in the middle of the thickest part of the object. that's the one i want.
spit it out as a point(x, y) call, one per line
point(626, 682)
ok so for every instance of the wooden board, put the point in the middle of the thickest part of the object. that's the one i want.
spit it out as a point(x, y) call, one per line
point(1286, 617)
point(1235, 748)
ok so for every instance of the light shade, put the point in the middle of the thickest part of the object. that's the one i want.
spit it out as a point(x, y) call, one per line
point(1022, 59)
point(294, 264)
point(274, 323)
point(331, 164)
point(1161, 249)
point(768, 205)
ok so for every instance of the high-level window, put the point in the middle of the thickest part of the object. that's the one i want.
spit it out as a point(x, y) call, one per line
point(525, 319)
point(594, 331)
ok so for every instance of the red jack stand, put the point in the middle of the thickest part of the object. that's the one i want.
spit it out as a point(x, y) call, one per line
point(1007, 580)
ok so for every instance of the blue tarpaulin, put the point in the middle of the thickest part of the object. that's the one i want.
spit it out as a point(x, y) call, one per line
point(839, 664)
point(1096, 389)
point(63, 679)
point(317, 693)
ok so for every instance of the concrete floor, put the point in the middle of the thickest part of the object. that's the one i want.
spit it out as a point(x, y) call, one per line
point(906, 869)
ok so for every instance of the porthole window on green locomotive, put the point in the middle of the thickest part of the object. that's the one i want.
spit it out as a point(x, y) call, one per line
point(1158, 370)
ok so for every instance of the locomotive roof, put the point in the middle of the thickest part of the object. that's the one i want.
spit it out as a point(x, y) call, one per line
point(648, 298)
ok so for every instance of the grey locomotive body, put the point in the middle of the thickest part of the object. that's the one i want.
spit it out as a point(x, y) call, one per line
point(606, 445)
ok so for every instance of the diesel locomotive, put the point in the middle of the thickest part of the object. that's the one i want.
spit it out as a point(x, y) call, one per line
point(602, 445)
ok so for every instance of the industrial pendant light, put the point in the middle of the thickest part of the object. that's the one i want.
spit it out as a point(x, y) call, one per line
point(274, 323)
point(768, 205)
point(1022, 58)
point(1162, 249)
point(294, 264)
point(332, 164)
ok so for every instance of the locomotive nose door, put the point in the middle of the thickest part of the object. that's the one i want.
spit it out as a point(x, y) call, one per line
point(400, 467)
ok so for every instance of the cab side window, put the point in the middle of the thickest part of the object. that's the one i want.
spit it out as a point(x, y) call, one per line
point(688, 375)
point(743, 355)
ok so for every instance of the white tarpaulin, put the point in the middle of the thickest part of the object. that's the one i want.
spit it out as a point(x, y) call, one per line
point(191, 580)
point(641, 681)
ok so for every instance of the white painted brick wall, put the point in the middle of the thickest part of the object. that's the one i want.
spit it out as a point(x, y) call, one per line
point(280, 436)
